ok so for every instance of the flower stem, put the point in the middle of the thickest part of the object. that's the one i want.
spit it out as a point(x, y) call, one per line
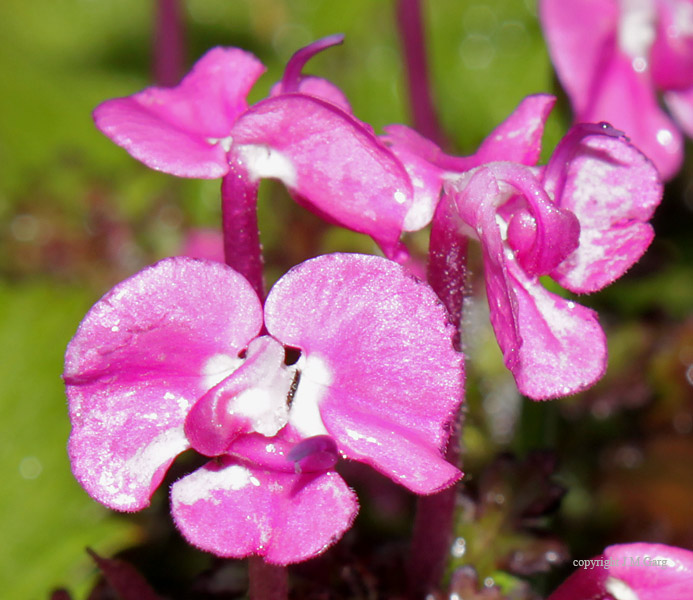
point(411, 31)
point(434, 520)
point(242, 248)
point(168, 43)
point(267, 582)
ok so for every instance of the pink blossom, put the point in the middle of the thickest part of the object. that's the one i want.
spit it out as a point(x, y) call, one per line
point(582, 220)
point(343, 360)
point(637, 571)
point(303, 135)
point(615, 57)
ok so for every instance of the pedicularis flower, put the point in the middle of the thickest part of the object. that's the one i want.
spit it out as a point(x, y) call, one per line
point(303, 135)
point(614, 57)
point(349, 357)
point(582, 220)
point(632, 572)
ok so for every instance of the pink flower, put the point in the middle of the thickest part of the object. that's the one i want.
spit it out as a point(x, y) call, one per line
point(344, 360)
point(614, 57)
point(631, 572)
point(303, 135)
point(582, 220)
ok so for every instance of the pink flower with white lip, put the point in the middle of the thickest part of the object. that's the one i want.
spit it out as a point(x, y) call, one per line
point(582, 220)
point(636, 571)
point(183, 355)
point(614, 57)
point(303, 135)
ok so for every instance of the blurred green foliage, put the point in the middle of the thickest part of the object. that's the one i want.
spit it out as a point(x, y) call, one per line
point(78, 214)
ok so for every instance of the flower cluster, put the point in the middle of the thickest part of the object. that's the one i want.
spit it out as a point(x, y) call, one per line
point(349, 356)
point(581, 219)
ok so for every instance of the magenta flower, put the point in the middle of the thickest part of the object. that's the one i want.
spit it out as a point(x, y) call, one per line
point(582, 220)
point(349, 357)
point(614, 57)
point(631, 572)
point(303, 135)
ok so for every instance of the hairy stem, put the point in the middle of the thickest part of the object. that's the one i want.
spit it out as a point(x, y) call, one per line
point(411, 29)
point(168, 43)
point(434, 521)
point(242, 248)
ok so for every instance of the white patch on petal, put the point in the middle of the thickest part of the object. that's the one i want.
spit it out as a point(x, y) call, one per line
point(636, 28)
point(265, 407)
point(218, 368)
point(400, 197)
point(620, 590)
point(421, 210)
point(355, 435)
point(200, 484)
point(263, 161)
point(305, 408)
point(148, 459)
point(225, 142)
point(119, 478)
point(683, 18)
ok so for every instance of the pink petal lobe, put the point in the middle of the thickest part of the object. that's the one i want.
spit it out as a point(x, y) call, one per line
point(419, 157)
point(671, 54)
point(377, 347)
point(139, 360)
point(563, 347)
point(579, 34)
point(518, 138)
point(650, 579)
point(318, 88)
point(183, 130)
point(641, 118)
point(331, 162)
point(613, 190)
point(234, 509)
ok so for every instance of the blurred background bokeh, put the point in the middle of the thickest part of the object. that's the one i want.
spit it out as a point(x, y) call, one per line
point(77, 215)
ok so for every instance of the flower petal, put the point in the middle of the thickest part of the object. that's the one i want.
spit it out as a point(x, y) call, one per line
point(518, 138)
point(419, 156)
point(641, 118)
point(632, 571)
point(671, 56)
point(319, 88)
point(613, 190)
point(577, 34)
point(234, 509)
point(142, 355)
point(334, 165)
point(563, 348)
point(182, 131)
point(378, 348)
